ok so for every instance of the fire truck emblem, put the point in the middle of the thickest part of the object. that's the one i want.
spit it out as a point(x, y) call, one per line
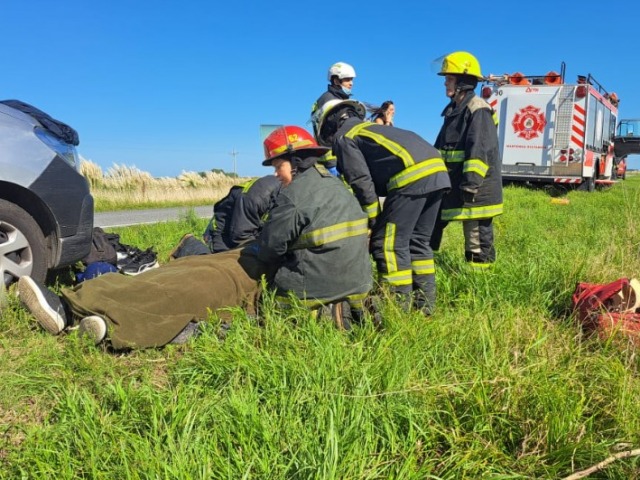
point(529, 122)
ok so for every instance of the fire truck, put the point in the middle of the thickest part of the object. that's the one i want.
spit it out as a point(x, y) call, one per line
point(551, 131)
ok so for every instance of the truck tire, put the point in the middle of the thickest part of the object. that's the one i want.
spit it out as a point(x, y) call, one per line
point(22, 245)
point(588, 184)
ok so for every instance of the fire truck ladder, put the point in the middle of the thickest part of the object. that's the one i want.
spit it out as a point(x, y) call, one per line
point(562, 133)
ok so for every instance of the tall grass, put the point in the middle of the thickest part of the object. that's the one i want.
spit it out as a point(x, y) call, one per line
point(499, 383)
point(126, 187)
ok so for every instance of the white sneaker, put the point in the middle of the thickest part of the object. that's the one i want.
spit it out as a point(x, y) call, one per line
point(44, 305)
point(93, 327)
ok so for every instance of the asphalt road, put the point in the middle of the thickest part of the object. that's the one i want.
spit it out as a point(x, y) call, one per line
point(155, 215)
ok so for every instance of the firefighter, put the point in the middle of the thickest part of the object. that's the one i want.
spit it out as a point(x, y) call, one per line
point(340, 77)
point(238, 217)
point(385, 161)
point(316, 233)
point(468, 142)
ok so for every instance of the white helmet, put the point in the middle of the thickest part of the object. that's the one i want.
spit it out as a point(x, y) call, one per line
point(341, 70)
point(321, 114)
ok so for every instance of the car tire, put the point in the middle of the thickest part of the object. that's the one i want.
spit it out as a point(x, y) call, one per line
point(22, 245)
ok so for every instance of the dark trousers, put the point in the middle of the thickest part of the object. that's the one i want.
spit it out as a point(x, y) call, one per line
point(400, 243)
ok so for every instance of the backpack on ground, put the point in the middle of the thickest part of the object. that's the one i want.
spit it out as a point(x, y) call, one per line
point(103, 247)
point(609, 309)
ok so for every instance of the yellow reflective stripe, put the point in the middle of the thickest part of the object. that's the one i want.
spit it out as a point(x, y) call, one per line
point(402, 277)
point(356, 300)
point(294, 144)
point(480, 266)
point(372, 210)
point(333, 233)
point(327, 157)
point(452, 156)
point(393, 147)
point(423, 267)
point(476, 165)
point(314, 302)
point(246, 186)
point(487, 211)
point(389, 242)
point(355, 130)
point(416, 172)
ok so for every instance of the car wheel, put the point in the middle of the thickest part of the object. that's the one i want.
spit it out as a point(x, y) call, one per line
point(22, 245)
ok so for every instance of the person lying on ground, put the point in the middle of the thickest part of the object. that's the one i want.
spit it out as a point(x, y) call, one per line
point(315, 226)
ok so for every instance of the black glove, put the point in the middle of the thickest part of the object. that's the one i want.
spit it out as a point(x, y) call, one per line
point(467, 196)
point(372, 222)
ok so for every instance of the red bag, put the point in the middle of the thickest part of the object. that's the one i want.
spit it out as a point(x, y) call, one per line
point(610, 308)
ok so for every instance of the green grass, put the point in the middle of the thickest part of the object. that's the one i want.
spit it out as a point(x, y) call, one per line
point(499, 383)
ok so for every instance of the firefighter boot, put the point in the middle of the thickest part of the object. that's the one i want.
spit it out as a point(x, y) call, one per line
point(424, 300)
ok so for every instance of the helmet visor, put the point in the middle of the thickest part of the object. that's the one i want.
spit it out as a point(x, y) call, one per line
point(437, 64)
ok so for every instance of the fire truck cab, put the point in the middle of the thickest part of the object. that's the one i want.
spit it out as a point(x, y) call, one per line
point(551, 131)
point(626, 142)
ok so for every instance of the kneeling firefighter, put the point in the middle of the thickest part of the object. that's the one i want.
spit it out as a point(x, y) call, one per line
point(316, 233)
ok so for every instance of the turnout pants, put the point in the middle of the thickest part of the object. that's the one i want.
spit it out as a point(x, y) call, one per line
point(400, 245)
point(150, 309)
point(479, 248)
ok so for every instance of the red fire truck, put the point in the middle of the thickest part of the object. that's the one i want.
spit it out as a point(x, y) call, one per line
point(551, 131)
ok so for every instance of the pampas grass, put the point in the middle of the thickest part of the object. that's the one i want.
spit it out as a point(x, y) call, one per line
point(127, 187)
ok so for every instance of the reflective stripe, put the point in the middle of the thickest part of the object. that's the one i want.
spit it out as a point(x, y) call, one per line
point(288, 301)
point(355, 130)
point(452, 156)
point(389, 253)
point(327, 157)
point(423, 267)
point(372, 210)
point(416, 172)
point(294, 145)
point(333, 233)
point(355, 300)
point(246, 186)
point(402, 277)
point(393, 147)
point(480, 266)
point(472, 213)
point(476, 165)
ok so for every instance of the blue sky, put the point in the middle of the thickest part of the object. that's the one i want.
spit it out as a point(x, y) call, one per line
point(170, 86)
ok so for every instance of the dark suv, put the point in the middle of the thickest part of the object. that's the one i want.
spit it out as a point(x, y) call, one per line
point(46, 209)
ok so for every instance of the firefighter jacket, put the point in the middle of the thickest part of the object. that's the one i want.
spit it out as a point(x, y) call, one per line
point(468, 142)
point(317, 233)
point(238, 217)
point(377, 160)
point(334, 92)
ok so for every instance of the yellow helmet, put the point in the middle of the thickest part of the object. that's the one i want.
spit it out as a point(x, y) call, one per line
point(461, 63)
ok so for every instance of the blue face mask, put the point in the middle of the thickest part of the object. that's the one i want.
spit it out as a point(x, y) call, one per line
point(346, 90)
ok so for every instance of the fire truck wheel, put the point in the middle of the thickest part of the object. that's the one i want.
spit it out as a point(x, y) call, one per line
point(588, 184)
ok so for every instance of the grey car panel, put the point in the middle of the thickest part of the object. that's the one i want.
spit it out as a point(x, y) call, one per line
point(46, 186)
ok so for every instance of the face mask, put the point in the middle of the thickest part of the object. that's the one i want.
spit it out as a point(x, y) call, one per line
point(346, 90)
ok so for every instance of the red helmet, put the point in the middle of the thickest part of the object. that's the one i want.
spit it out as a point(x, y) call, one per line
point(283, 141)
